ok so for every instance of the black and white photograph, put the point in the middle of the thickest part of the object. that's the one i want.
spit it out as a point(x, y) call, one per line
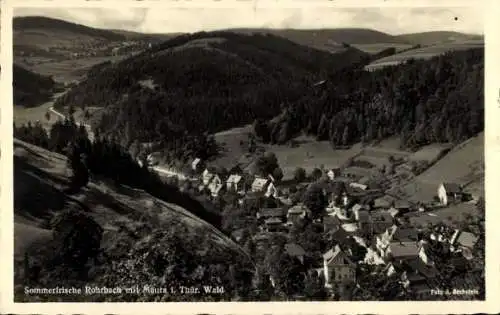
point(248, 155)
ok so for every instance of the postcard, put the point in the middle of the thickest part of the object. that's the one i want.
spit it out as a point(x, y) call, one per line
point(249, 157)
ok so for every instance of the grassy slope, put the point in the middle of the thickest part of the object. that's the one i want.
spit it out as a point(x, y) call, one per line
point(432, 38)
point(39, 177)
point(464, 165)
point(433, 43)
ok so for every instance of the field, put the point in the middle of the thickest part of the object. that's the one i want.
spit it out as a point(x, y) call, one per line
point(376, 48)
point(449, 215)
point(463, 165)
point(23, 115)
point(309, 153)
point(68, 70)
point(424, 53)
point(429, 153)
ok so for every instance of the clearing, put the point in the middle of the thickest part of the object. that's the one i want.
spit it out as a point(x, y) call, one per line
point(464, 165)
point(424, 53)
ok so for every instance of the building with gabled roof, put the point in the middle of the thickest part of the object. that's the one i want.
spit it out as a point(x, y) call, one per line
point(449, 192)
point(337, 267)
point(234, 183)
point(260, 184)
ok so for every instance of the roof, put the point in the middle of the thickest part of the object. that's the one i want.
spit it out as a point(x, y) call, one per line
point(404, 249)
point(419, 266)
point(452, 187)
point(298, 208)
point(334, 253)
point(331, 221)
point(196, 161)
point(363, 216)
point(294, 250)
point(273, 220)
point(234, 178)
point(271, 212)
point(357, 207)
point(405, 234)
point(259, 183)
point(381, 216)
point(401, 204)
point(340, 235)
point(467, 239)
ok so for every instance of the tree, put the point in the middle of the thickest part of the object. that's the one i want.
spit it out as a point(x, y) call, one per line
point(78, 237)
point(278, 174)
point(315, 200)
point(299, 175)
point(80, 173)
point(47, 116)
point(316, 174)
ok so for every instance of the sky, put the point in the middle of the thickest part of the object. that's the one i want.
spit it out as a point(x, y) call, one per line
point(392, 20)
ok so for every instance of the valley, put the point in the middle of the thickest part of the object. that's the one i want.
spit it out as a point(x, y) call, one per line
point(273, 163)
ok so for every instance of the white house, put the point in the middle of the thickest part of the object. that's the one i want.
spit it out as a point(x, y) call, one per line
point(260, 184)
point(337, 267)
point(207, 177)
point(233, 182)
point(215, 185)
point(406, 250)
point(196, 164)
point(333, 173)
point(448, 192)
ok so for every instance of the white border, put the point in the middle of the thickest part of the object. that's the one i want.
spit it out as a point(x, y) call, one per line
point(492, 153)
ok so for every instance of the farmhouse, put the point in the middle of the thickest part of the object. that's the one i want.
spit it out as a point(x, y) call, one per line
point(337, 267)
point(266, 213)
point(449, 192)
point(233, 183)
point(274, 224)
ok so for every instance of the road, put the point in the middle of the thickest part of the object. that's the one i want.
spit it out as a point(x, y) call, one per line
point(160, 170)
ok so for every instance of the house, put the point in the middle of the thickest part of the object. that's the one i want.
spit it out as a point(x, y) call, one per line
point(331, 223)
point(296, 251)
point(356, 209)
point(337, 267)
point(260, 184)
point(463, 242)
point(394, 234)
point(196, 165)
point(206, 176)
point(400, 251)
point(449, 192)
point(364, 222)
point(271, 190)
point(381, 221)
point(339, 235)
point(215, 185)
point(297, 213)
point(274, 224)
point(333, 173)
point(234, 183)
point(402, 206)
point(266, 213)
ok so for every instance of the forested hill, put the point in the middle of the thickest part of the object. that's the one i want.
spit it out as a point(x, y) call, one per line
point(423, 101)
point(30, 88)
point(41, 23)
point(204, 82)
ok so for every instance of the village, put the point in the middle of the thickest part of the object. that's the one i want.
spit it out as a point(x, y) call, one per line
point(353, 213)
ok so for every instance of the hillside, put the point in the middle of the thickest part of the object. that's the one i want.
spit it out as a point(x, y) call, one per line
point(437, 37)
point(204, 82)
point(128, 216)
point(30, 88)
point(332, 40)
